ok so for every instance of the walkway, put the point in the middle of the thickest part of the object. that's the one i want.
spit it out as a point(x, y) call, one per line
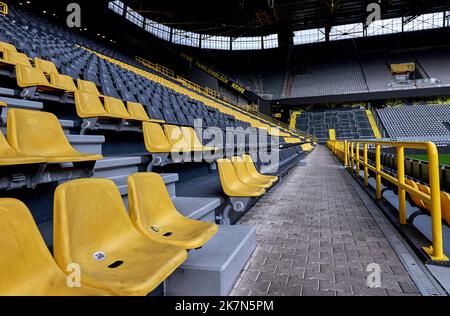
point(316, 237)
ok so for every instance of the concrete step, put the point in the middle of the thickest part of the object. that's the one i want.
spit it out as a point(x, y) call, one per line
point(197, 208)
point(213, 269)
point(87, 144)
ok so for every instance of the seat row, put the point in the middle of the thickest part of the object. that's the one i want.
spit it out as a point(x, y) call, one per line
point(240, 178)
point(115, 254)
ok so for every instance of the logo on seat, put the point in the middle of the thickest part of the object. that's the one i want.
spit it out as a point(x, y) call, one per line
point(99, 256)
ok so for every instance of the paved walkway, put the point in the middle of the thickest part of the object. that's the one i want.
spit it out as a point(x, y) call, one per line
point(316, 237)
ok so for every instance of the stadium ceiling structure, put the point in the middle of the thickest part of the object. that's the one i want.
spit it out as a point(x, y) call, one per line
point(238, 18)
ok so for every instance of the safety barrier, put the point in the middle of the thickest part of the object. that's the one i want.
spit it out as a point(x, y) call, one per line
point(3, 8)
point(350, 153)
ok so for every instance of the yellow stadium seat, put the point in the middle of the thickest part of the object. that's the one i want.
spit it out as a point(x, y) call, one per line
point(7, 46)
point(244, 176)
point(92, 228)
point(10, 157)
point(3, 104)
point(292, 140)
point(63, 82)
point(13, 58)
point(414, 198)
point(154, 138)
point(192, 139)
point(137, 113)
point(33, 77)
point(231, 184)
point(254, 172)
point(45, 66)
point(87, 87)
point(445, 206)
point(425, 189)
point(115, 108)
point(307, 147)
point(88, 105)
point(153, 214)
point(176, 139)
point(26, 265)
point(35, 133)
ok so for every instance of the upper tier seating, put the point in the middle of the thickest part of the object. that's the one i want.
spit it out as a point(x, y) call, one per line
point(81, 208)
point(26, 266)
point(153, 214)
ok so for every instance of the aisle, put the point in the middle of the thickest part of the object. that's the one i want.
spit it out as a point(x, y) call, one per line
point(316, 237)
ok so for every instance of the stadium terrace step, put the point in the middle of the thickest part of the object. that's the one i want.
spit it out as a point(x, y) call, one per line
point(213, 269)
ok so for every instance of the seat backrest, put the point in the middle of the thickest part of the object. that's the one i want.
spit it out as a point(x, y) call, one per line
point(63, 82)
point(88, 105)
point(240, 167)
point(414, 198)
point(115, 108)
point(7, 46)
point(445, 206)
point(191, 137)
point(251, 168)
point(24, 256)
point(46, 66)
point(89, 216)
point(5, 148)
point(176, 138)
point(425, 189)
point(29, 77)
point(36, 133)
point(228, 175)
point(137, 111)
point(149, 202)
point(16, 58)
point(87, 87)
point(155, 139)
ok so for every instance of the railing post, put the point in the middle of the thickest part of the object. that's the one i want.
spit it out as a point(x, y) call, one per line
point(436, 251)
point(351, 156)
point(378, 169)
point(366, 169)
point(345, 153)
point(401, 181)
point(357, 159)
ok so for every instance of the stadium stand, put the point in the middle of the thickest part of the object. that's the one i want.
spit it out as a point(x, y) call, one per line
point(417, 121)
point(348, 124)
point(87, 111)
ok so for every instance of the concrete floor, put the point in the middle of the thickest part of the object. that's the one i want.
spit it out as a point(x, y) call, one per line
point(316, 237)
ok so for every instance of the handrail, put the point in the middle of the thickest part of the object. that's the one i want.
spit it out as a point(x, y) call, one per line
point(349, 153)
point(3, 8)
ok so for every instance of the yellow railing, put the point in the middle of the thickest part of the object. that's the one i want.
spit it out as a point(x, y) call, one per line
point(3, 8)
point(350, 153)
point(373, 124)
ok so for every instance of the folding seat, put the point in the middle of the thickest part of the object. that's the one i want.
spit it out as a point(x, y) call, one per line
point(7, 46)
point(29, 77)
point(254, 172)
point(63, 82)
point(47, 67)
point(12, 58)
point(115, 108)
point(425, 189)
point(35, 133)
point(137, 113)
point(154, 215)
point(10, 157)
point(155, 139)
point(26, 265)
point(245, 177)
point(192, 139)
point(231, 184)
point(445, 206)
point(176, 139)
point(88, 87)
point(92, 228)
point(417, 201)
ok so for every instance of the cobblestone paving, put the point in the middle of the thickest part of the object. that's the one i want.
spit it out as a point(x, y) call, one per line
point(316, 237)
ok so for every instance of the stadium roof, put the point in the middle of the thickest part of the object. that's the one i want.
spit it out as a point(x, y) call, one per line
point(256, 17)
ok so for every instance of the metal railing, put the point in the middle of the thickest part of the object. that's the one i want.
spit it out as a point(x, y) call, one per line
point(350, 153)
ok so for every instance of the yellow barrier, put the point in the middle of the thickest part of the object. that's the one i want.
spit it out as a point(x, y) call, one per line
point(349, 153)
point(3, 8)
